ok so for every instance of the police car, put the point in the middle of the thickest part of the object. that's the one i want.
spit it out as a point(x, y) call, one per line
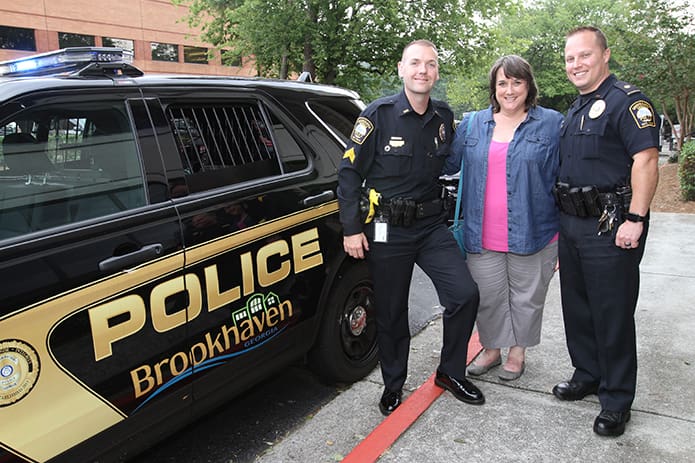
point(166, 242)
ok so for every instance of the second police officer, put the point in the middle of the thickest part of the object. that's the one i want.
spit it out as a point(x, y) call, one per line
point(398, 148)
point(608, 175)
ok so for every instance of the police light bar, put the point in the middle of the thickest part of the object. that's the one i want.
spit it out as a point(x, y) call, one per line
point(64, 61)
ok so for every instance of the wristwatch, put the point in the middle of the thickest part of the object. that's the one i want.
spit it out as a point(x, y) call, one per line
point(635, 217)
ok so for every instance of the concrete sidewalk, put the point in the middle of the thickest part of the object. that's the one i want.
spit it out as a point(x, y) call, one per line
point(522, 421)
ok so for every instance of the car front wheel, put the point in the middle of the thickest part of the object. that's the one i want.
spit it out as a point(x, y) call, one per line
point(346, 349)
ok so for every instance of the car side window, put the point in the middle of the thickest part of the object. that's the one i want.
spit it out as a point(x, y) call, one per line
point(339, 117)
point(66, 162)
point(232, 142)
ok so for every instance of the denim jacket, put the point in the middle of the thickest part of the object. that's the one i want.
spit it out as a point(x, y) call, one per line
point(532, 168)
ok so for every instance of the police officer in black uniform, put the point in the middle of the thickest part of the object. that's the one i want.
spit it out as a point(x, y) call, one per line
point(608, 176)
point(398, 148)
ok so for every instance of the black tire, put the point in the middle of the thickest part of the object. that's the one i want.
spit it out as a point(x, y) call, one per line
point(346, 349)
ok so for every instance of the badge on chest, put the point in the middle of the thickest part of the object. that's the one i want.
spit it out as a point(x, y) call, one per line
point(597, 109)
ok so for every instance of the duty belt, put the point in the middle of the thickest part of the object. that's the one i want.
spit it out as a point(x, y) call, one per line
point(588, 201)
point(402, 211)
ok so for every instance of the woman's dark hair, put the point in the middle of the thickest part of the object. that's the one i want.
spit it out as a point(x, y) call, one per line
point(517, 67)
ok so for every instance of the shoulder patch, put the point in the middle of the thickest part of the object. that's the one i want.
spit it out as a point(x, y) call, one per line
point(643, 114)
point(363, 127)
point(628, 89)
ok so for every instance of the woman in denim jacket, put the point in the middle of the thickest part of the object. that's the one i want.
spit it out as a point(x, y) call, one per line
point(510, 162)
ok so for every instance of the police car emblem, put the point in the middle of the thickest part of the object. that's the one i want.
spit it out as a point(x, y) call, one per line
point(19, 370)
point(363, 127)
point(597, 109)
point(643, 114)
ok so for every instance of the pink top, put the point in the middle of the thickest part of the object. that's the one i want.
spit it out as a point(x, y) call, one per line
point(495, 223)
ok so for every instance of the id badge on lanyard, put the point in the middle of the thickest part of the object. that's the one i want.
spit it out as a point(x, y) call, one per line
point(381, 229)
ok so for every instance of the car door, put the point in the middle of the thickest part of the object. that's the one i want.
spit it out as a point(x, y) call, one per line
point(91, 260)
point(256, 211)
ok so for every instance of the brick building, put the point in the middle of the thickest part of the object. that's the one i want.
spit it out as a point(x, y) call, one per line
point(155, 30)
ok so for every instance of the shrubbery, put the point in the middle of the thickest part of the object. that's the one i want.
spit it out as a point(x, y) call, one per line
point(686, 171)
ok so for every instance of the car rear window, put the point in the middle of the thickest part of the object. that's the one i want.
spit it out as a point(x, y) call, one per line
point(234, 142)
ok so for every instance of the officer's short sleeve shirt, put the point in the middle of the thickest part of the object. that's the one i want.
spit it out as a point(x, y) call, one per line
point(601, 133)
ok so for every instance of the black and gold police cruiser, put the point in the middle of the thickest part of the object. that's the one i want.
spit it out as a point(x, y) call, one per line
point(165, 243)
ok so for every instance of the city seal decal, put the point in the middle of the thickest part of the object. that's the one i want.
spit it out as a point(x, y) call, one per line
point(19, 370)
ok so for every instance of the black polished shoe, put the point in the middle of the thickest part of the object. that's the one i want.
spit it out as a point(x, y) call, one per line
point(611, 424)
point(462, 389)
point(390, 400)
point(574, 390)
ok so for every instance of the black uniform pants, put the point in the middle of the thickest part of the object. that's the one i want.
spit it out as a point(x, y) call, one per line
point(432, 247)
point(599, 285)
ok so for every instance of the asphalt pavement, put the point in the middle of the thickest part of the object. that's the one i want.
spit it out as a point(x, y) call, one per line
point(521, 420)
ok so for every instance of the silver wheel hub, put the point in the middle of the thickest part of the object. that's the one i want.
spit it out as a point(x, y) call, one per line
point(358, 320)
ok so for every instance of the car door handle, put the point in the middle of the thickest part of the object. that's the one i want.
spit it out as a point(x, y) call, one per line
point(318, 199)
point(145, 253)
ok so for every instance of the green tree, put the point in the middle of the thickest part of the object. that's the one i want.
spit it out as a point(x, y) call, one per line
point(656, 51)
point(536, 32)
point(345, 42)
point(652, 44)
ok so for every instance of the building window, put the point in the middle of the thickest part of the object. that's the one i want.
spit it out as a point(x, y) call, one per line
point(17, 38)
point(165, 52)
point(231, 58)
point(124, 44)
point(66, 39)
point(195, 55)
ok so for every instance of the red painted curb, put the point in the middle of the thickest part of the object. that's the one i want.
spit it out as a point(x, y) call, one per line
point(389, 430)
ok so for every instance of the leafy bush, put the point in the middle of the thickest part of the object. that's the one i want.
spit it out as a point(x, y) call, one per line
point(686, 171)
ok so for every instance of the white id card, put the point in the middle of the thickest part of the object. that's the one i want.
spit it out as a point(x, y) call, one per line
point(381, 230)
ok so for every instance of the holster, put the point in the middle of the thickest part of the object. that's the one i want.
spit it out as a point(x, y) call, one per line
point(561, 191)
point(591, 200)
point(368, 204)
point(402, 211)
